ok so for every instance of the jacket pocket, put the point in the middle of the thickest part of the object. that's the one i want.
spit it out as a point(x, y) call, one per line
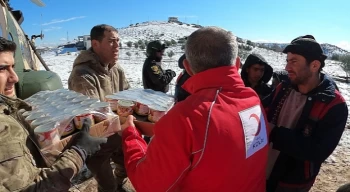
point(10, 151)
point(16, 171)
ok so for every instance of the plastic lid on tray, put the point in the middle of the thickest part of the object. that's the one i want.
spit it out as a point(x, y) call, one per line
point(126, 103)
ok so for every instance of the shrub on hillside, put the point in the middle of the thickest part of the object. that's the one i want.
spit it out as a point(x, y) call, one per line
point(245, 47)
point(243, 54)
point(140, 42)
point(250, 43)
point(146, 42)
point(128, 54)
point(142, 46)
point(136, 45)
point(240, 40)
point(335, 57)
point(181, 41)
point(345, 64)
point(173, 42)
point(167, 43)
point(183, 47)
point(129, 44)
point(120, 45)
point(170, 54)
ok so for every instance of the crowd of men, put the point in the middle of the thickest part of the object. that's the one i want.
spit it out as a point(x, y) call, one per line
point(228, 131)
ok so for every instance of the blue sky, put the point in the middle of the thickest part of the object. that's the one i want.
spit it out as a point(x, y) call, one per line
point(257, 20)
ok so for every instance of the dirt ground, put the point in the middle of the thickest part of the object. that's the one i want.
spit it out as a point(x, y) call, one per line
point(336, 170)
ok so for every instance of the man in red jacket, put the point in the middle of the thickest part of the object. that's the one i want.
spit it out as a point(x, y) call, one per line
point(215, 140)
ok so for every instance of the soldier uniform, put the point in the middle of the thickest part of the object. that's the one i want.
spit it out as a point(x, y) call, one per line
point(153, 76)
point(19, 171)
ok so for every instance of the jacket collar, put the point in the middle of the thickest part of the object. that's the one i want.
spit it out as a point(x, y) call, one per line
point(91, 59)
point(11, 105)
point(213, 78)
point(324, 92)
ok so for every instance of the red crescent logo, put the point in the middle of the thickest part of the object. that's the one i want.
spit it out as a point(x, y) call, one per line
point(256, 117)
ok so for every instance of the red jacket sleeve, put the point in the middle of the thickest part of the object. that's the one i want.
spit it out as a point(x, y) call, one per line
point(163, 164)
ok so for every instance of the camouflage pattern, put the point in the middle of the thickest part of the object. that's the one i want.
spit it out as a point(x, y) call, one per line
point(18, 169)
point(91, 78)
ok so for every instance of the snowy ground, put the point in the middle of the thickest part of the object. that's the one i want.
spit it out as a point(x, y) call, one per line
point(335, 170)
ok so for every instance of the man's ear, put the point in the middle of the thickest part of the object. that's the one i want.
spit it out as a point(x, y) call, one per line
point(315, 66)
point(94, 43)
point(187, 67)
point(238, 62)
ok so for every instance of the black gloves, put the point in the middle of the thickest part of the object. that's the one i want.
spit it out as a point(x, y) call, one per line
point(85, 144)
point(173, 74)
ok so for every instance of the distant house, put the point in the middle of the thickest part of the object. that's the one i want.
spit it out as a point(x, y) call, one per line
point(173, 19)
point(84, 42)
point(87, 41)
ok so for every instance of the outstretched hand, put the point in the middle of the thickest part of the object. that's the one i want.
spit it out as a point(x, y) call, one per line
point(85, 142)
point(128, 123)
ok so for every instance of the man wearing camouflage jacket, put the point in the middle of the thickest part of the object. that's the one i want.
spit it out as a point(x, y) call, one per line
point(22, 166)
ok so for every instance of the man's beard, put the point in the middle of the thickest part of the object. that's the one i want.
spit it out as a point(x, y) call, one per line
point(302, 79)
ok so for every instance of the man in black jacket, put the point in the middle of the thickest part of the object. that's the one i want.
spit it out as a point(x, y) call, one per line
point(307, 116)
point(180, 93)
point(153, 76)
point(256, 73)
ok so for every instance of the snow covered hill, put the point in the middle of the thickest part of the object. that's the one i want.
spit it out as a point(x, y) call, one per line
point(155, 30)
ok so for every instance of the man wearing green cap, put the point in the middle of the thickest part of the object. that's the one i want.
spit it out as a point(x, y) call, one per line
point(307, 116)
point(153, 76)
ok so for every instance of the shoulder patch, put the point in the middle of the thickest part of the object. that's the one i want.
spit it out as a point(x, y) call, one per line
point(155, 69)
point(254, 128)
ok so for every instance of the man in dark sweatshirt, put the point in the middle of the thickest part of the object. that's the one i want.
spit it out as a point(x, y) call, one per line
point(180, 93)
point(256, 73)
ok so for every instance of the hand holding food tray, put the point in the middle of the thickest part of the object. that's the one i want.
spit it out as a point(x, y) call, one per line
point(60, 113)
point(146, 105)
